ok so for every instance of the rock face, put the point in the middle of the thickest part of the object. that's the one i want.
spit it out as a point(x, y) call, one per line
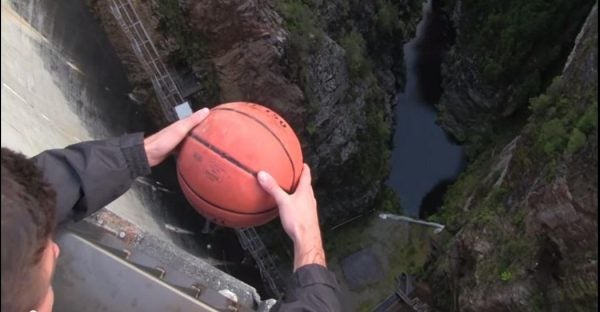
point(246, 40)
point(467, 98)
point(503, 55)
point(335, 126)
point(524, 215)
point(330, 68)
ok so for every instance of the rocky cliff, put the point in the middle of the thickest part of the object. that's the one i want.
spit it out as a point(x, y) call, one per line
point(330, 68)
point(505, 53)
point(522, 220)
point(327, 67)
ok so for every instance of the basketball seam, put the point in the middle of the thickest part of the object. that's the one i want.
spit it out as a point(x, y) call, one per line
point(218, 206)
point(223, 154)
point(227, 157)
point(273, 134)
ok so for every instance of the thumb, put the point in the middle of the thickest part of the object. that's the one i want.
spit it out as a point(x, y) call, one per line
point(268, 183)
point(305, 178)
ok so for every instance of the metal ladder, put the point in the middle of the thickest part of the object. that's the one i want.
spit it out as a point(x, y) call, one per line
point(251, 242)
point(166, 90)
point(169, 96)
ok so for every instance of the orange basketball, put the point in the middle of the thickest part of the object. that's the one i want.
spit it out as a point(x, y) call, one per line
point(220, 158)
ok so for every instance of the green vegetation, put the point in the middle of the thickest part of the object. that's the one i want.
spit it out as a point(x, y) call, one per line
point(302, 24)
point(519, 30)
point(563, 122)
point(347, 239)
point(366, 305)
point(399, 247)
point(191, 50)
point(311, 129)
point(467, 185)
point(576, 141)
point(387, 17)
point(519, 217)
point(364, 38)
point(173, 24)
point(589, 121)
point(517, 48)
point(388, 201)
point(540, 104)
point(305, 38)
point(356, 54)
point(371, 164)
point(513, 252)
point(506, 276)
point(552, 136)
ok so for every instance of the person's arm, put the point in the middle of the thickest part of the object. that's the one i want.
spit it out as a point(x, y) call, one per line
point(89, 175)
point(314, 287)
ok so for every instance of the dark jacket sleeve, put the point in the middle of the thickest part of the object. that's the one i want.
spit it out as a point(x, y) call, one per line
point(313, 288)
point(89, 175)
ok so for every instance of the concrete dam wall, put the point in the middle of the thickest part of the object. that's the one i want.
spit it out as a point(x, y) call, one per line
point(62, 84)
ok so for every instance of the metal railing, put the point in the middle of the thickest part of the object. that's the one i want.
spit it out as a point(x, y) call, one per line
point(251, 242)
point(166, 90)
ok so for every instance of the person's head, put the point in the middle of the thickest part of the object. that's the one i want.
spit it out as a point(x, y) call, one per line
point(28, 252)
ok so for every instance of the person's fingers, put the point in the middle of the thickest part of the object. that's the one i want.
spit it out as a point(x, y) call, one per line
point(185, 125)
point(305, 178)
point(159, 145)
point(268, 183)
point(198, 116)
point(172, 135)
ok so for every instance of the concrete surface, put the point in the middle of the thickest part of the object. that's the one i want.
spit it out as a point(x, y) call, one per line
point(62, 84)
point(36, 113)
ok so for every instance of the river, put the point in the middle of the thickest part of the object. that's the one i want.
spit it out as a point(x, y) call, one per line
point(425, 160)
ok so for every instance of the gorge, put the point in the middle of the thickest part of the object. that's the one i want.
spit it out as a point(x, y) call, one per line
point(483, 117)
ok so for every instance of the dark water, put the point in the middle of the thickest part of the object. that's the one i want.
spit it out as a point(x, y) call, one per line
point(100, 99)
point(424, 159)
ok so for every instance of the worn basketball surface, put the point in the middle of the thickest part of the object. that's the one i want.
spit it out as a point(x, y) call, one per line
point(220, 158)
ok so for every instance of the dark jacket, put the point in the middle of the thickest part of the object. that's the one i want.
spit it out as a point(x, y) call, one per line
point(89, 175)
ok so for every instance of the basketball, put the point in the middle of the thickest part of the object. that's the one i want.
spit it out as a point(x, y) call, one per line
point(220, 158)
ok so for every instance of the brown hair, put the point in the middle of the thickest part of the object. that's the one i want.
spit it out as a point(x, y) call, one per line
point(28, 219)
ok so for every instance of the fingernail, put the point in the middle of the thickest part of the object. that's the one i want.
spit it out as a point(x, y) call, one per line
point(262, 177)
point(203, 111)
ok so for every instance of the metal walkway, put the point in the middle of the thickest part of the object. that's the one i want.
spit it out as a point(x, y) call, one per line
point(251, 242)
point(401, 299)
point(166, 90)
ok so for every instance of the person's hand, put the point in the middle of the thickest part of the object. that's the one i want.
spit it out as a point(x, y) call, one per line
point(159, 145)
point(298, 213)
